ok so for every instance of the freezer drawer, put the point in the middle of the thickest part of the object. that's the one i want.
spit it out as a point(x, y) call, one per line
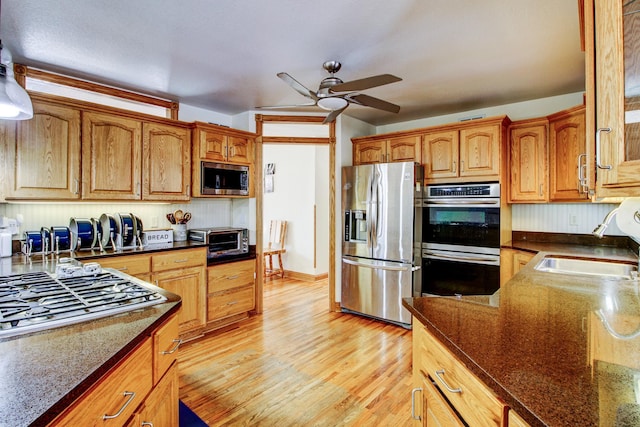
point(376, 288)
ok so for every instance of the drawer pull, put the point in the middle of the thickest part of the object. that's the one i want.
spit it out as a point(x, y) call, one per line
point(232, 302)
point(177, 261)
point(234, 277)
point(444, 383)
point(131, 395)
point(413, 404)
point(147, 423)
point(122, 268)
point(174, 349)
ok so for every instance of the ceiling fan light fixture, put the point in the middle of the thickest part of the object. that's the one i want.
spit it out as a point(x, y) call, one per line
point(332, 103)
point(15, 103)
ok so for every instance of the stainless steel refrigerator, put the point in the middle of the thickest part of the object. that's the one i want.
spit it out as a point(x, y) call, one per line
point(381, 242)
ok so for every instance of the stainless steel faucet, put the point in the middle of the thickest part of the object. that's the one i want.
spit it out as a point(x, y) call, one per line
point(600, 229)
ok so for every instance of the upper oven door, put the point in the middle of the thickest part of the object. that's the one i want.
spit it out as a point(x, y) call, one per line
point(467, 222)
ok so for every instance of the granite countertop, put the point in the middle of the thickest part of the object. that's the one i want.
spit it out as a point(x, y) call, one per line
point(44, 372)
point(545, 344)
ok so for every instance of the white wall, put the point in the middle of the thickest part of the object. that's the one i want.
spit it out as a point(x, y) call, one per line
point(298, 170)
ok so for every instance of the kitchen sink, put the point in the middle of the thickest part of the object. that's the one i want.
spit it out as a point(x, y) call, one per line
point(587, 266)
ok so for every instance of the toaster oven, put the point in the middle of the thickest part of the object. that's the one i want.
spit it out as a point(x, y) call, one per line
point(222, 241)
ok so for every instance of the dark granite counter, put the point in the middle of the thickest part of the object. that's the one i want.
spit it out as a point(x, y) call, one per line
point(560, 350)
point(44, 372)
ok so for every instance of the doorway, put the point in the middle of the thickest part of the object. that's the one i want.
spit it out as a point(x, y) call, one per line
point(298, 131)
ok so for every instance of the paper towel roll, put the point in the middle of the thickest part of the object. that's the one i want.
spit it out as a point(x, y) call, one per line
point(626, 219)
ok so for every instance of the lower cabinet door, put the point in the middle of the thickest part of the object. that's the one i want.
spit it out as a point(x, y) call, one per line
point(160, 409)
point(190, 284)
point(436, 410)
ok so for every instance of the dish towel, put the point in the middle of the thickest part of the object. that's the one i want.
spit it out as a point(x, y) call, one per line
point(188, 418)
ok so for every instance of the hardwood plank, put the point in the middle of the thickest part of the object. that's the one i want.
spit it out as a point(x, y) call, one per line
point(298, 363)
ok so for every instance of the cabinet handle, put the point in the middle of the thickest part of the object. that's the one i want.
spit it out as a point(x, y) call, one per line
point(444, 383)
point(232, 302)
point(147, 423)
point(598, 132)
point(540, 189)
point(583, 184)
point(179, 261)
point(461, 165)
point(454, 167)
point(174, 349)
point(413, 404)
point(233, 277)
point(122, 269)
point(131, 395)
point(77, 186)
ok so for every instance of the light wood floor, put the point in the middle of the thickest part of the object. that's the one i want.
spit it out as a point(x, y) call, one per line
point(298, 364)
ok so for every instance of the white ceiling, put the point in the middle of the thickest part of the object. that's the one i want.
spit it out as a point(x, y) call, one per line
point(223, 55)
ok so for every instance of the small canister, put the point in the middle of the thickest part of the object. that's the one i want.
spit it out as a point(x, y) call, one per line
point(179, 232)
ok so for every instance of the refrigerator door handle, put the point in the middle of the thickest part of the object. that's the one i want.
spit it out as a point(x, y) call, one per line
point(380, 266)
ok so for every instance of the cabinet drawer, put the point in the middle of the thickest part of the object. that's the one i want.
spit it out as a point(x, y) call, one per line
point(228, 303)
point(108, 397)
point(165, 347)
point(178, 259)
point(135, 265)
point(477, 405)
point(228, 276)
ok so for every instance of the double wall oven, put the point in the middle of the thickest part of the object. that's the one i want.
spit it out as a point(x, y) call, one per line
point(461, 239)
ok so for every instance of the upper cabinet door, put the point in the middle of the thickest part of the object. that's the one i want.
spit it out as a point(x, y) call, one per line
point(617, 59)
point(480, 151)
point(111, 157)
point(440, 154)
point(568, 156)
point(166, 162)
point(213, 145)
point(404, 149)
point(44, 157)
point(239, 150)
point(369, 152)
point(528, 161)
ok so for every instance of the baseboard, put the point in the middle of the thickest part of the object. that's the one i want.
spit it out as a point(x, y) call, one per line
point(304, 276)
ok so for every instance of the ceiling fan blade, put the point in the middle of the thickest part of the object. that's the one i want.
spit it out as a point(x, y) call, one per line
point(366, 83)
point(332, 115)
point(297, 86)
point(267, 107)
point(370, 101)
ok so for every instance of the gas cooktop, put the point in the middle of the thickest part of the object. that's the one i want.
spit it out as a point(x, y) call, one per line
point(37, 301)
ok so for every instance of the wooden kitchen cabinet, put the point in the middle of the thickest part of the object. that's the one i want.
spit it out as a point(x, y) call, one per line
point(213, 143)
point(568, 180)
point(43, 154)
point(395, 149)
point(465, 153)
point(166, 162)
point(160, 409)
point(183, 272)
point(511, 261)
point(153, 399)
point(617, 102)
point(230, 290)
point(134, 265)
point(119, 164)
point(528, 161)
point(117, 395)
point(468, 401)
point(111, 157)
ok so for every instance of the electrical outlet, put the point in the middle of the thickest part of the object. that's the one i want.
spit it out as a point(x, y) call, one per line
point(573, 220)
point(154, 221)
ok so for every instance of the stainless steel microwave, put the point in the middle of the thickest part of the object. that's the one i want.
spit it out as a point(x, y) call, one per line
point(224, 179)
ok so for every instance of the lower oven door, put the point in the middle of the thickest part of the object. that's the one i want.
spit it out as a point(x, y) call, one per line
point(459, 273)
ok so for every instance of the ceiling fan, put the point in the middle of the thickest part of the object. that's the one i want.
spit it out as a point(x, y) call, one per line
point(334, 95)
